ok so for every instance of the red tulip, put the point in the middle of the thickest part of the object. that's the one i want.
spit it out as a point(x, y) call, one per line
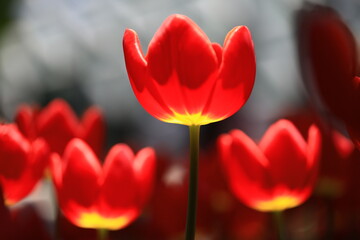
point(336, 154)
point(22, 163)
point(108, 197)
point(278, 173)
point(58, 124)
point(186, 79)
point(329, 57)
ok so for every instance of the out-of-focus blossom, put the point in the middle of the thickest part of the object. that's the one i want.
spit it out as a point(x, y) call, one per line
point(335, 164)
point(58, 124)
point(336, 154)
point(22, 163)
point(278, 173)
point(108, 197)
point(186, 79)
point(329, 59)
point(334, 196)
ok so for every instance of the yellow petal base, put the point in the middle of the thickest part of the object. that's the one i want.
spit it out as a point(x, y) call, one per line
point(195, 119)
point(96, 221)
point(277, 204)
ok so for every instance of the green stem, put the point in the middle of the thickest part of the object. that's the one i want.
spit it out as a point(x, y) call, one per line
point(330, 219)
point(279, 222)
point(193, 182)
point(102, 234)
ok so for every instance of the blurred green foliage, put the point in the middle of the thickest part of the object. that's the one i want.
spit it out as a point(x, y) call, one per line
point(6, 13)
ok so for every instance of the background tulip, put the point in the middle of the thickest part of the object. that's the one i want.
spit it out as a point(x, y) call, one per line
point(108, 197)
point(58, 124)
point(329, 59)
point(276, 174)
point(22, 163)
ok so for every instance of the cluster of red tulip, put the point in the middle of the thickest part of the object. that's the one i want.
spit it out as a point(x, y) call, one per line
point(186, 79)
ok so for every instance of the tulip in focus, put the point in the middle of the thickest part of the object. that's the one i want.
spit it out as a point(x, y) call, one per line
point(276, 174)
point(186, 79)
point(58, 124)
point(22, 163)
point(102, 197)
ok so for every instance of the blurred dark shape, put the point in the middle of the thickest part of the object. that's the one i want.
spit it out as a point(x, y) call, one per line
point(68, 231)
point(329, 61)
point(219, 216)
point(28, 225)
point(336, 201)
point(5, 13)
point(58, 124)
point(5, 219)
point(21, 223)
point(336, 152)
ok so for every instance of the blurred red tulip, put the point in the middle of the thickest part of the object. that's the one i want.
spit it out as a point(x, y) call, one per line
point(328, 55)
point(334, 164)
point(108, 197)
point(22, 163)
point(336, 154)
point(186, 79)
point(275, 175)
point(336, 203)
point(58, 124)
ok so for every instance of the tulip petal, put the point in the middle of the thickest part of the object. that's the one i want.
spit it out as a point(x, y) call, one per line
point(136, 67)
point(93, 129)
point(285, 148)
point(56, 169)
point(144, 170)
point(313, 154)
point(118, 204)
point(245, 167)
point(57, 124)
point(183, 65)
point(180, 46)
point(37, 161)
point(119, 189)
point(134, 60)
point(25, 121)
point(236, 75)
point(14, 150)
point(80, 177)
point(218, 50)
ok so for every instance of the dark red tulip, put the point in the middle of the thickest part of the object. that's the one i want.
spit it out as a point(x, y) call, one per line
point(102, 197)
point(276, 174)
point(186, 79)
point(58, 124)
point(22, 163)
point(329, 58)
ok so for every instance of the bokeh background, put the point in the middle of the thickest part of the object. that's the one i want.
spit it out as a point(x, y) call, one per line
point(72, 49)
